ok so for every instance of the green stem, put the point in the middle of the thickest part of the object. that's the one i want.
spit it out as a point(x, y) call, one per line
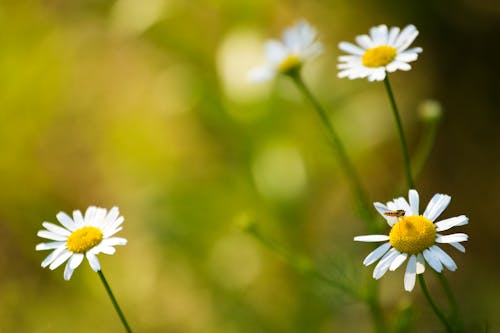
point(113, 300)
point(361, 197)
point(453, 303)
point(433, 305)
point(345, 163)
point(402, 140)
point(299, 263)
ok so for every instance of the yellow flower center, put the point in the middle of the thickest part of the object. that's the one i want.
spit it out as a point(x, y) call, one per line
point(83, 239)
point(413, 234)
point(291, 63)
point(378, 56)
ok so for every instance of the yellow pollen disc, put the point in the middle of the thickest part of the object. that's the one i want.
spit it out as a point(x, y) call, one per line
point(292, 62)
point(83, 239)
point(413, 234)
point(378, 56)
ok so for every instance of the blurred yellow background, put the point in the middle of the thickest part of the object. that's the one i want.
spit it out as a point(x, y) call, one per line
point(144, 104)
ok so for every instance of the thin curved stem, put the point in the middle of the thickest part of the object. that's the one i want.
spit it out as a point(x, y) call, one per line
point(302, 264)
point(361, 197)
point(115, 303)
point(453, 302)
point(402, 140)
point(433, 305)
point(345, 162)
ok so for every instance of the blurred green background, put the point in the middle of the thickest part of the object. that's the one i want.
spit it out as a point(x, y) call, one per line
point(144, 104)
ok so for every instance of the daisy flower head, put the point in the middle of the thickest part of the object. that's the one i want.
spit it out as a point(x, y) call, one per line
point(383, 50)
point(299, 44)
point(81, 236)
point(415, 237)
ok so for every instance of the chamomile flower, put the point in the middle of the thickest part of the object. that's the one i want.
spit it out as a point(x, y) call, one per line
point(284, 57)
point(384, 50)
point(414, 237)
point(81, 236)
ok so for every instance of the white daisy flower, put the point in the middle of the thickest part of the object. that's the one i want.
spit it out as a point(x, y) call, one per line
point(81, 236)
point(384, 50)
point(284, 57)
point(414, 237)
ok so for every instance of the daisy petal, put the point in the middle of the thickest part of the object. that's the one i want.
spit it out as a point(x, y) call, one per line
point(111, 228)
point(113, 241)
point(49, 246)
point(458, 246)
point(93, 261)
point(75, 260)
point(68, 272)
point(451, 222)
point(412, 50)
point(445, 259)
point(56, 229)
point(78, 218)
point(433, 261)
point(453, 238)
point(377, 74)
point(398, 261)
point(407, 57)
point(89, 215)
point(364, 41)
point(381, 208)
point(410, 273)
point(401, 203)
point(346, 73)
point(371, 238)
point(420, 263)
point(99, 217)
point(66, 221)
point(109, 233)
point(376, 254)
point(379, 34)
point(348, 58)
point(275, 51)
point(50, 235)
point(398, 65)
point(406, 37)
point(393, 34)
point(384, 263)
point(65, 255)
point(104, 249)
point(436, 206)
point(53, 256)
point(414, 202)
point(112, 215)
point(351, 48)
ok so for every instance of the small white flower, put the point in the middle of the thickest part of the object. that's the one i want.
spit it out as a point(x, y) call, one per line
point(415, 237)
point(283, 57)
point(384, 50)
point(81, 237)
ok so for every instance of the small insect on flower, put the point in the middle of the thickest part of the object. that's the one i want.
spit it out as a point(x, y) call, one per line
point(81, 236)
point(395, 213)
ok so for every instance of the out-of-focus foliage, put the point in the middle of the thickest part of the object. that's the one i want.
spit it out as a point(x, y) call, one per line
point(144, 104)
